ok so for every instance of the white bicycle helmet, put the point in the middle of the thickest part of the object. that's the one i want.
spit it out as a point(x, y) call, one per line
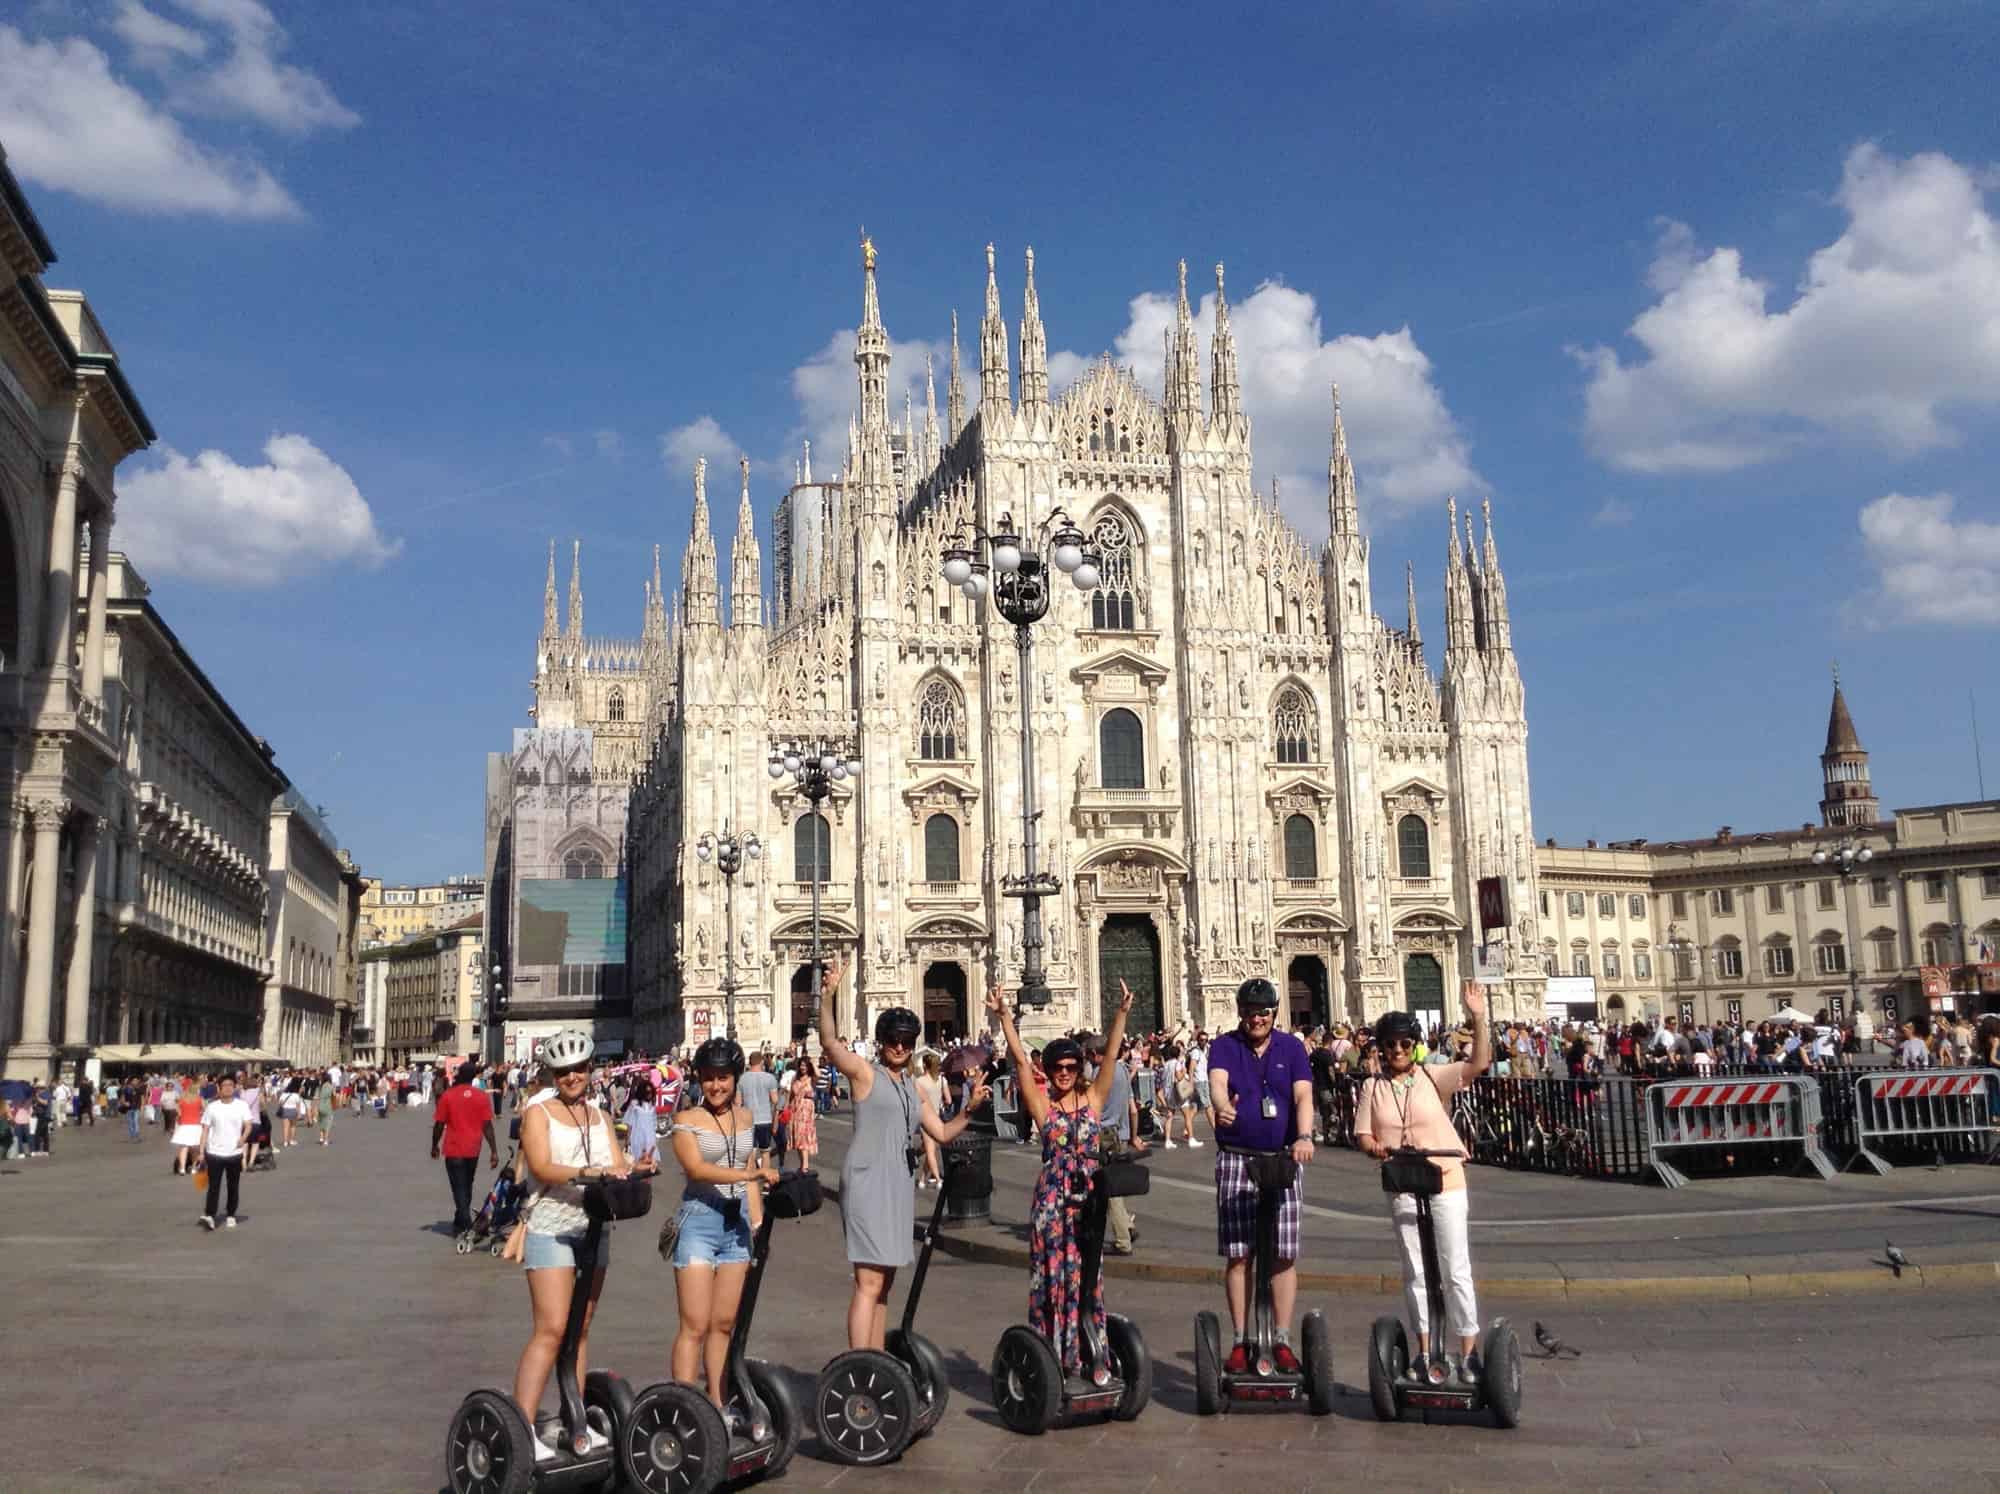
point(568, 1048)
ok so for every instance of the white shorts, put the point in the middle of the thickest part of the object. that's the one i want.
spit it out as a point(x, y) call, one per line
point(186, 1136)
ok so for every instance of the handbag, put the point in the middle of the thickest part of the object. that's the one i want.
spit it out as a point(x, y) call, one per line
point(201, 1180)
point(1123, 1179)
point(1271, 1171)
point(606, 1199)
point(1404, 1172)
point(794, 1195)
point(516, 1248)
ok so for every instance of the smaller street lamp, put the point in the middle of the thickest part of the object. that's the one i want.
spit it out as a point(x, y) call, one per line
point(817, 764)
point(1848, 856)
point(728, 851)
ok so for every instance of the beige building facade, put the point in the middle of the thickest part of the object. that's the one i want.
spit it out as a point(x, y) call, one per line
point(393, 911)
point(1734, 926)
point(422, 995)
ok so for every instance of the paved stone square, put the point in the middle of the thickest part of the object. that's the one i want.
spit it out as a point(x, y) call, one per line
point(323, 1345)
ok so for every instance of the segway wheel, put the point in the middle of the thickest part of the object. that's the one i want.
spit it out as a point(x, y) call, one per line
point(1319, 1364)
point(1207, 1363)
point(464, 1243)
point(1135, 1366)
point(1027, 1382)
point(926, 1366)
point(674, 1442)
point(490, 1448)
point(607, 1401)
point(1388, 1358)
point(865, 1408)
point(1500, 1373)
point(787, 1427)
point(495, 1248)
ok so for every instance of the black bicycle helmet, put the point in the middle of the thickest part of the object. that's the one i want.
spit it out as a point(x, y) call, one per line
point(720, 1053)
point(898, 1023)
point(1256, 995)
point(1393, 1025)
point(1062, 1050)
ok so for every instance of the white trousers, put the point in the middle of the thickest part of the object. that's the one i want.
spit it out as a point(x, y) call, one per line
point(1448, 1211)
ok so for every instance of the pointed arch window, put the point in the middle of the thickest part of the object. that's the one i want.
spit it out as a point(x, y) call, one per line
point(1121, 744)
point(615, 707)
point(1113, 606)
point(812, 849)
point(941, 849)
point(1413, 847)
point(1301, 847)
point(1295, 724)
point(940, 721)
point(583, 863)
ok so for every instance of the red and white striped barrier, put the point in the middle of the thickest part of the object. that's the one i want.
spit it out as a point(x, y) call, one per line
point(1685, 1113)
point(1902, 1106)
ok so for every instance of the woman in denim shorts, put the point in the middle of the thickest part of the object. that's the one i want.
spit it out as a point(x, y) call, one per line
point(723, 1201)
point(567, 1142)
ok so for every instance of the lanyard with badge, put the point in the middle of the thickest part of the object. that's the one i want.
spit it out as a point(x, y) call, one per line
point(1269, 1106)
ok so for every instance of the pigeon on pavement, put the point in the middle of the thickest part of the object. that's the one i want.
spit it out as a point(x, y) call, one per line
point(1554, 1347)
point(1897, 1260)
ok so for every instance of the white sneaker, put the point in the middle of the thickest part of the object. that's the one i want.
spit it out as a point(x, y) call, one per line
point(543, 1452)
point(206, 1222)
point(230, 1222)
point(1170, 1146)
point(1193, 1144)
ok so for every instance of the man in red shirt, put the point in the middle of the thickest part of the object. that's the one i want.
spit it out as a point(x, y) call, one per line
point(464, 1116)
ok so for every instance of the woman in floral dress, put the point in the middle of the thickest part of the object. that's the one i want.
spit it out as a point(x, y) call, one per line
point(1067, 1116)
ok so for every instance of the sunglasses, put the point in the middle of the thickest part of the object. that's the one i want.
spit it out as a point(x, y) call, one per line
point(579, 1069)
point(1403, 1045)
point(897, 1043)
point(1067, 1066)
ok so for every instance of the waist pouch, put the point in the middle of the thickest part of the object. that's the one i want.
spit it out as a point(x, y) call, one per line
point(618, 1198)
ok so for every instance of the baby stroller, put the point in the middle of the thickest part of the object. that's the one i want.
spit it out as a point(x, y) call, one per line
point(497, 1215)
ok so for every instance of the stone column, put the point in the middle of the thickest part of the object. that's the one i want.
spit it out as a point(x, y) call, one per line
point(100, 588)
point(59, 629)
point(38, 990)
point(11, 852)
point(76, 1006)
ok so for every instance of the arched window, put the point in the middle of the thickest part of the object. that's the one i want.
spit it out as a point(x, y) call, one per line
point(583, 863)
point(1121, 745)
point(615, 707)
point(1112, 604)
point(812, 849)
point(1413, 846)
point(1296, 727)
point(940, 721)
point(1301, 847)
point(941, 849)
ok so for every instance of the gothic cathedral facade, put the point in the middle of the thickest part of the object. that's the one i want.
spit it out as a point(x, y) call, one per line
point(1241, 769)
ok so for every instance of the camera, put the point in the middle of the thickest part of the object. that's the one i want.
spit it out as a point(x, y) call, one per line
point(912, 1157)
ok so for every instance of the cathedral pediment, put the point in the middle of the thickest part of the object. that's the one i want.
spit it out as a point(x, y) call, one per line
point(1300, 791)
point(1124, 662)
point(946, 790)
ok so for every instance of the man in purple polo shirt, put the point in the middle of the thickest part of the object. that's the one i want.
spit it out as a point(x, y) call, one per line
point(1260, 1083)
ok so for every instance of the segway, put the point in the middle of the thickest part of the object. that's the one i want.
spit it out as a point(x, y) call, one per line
point(490, 1448)
point(1396, 1382)
point(659, 1448)
point(1215, 1388)
point(1030, 1391)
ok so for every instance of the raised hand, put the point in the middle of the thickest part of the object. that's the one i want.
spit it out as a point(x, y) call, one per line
point(1474, 997)
point(996, 1004)
point(980, 1090)
point(1124, 998)
point(829, 982)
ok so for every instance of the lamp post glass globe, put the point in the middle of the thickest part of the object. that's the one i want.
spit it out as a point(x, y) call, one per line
point(957, 566)
point(975, 586)
point(1085, 575)
point(753, 848)
point(792, 761)
point(854, 767)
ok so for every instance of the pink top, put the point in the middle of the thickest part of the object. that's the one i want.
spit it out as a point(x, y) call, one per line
point(1416, 1114)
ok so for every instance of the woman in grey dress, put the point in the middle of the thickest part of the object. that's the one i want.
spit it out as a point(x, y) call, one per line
point(877, 1197)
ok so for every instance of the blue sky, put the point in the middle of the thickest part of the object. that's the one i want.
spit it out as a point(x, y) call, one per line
point(1706, 298)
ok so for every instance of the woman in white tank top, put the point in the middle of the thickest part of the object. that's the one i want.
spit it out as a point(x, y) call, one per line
point(566, 1142)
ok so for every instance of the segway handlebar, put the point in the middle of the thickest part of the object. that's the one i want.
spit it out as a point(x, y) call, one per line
point(1419, 1151)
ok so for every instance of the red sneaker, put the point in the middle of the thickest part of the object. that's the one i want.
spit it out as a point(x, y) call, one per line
point(1239, 1360)
point(1285, 1359)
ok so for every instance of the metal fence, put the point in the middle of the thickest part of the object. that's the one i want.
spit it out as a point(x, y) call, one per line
point(1594, 1128)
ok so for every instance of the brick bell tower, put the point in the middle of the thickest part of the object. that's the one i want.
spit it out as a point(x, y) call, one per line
point(1850, 798)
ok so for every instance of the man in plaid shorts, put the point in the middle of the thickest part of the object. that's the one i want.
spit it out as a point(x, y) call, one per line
point(1260, 1085)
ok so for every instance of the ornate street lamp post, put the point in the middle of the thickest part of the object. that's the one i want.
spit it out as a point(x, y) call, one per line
point(727, 851)
point(491, 991)
point(1021, 590)
point(815, 766)
point(1676, 946)
point(1848, 856)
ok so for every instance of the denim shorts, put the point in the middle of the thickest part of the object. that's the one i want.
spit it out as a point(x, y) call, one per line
point(545, 1251)
point(705, 1240)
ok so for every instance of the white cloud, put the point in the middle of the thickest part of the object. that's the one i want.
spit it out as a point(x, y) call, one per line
point(250, 82)
point(1612, 513)
point(1407, 447)
point(213, 519)
point(561, 445)
point(155, 41)
point(1931, 567)
point(1894, 324)
point(700, 437)
point(1408, 450)
point(610, 445)
point(70, 124)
